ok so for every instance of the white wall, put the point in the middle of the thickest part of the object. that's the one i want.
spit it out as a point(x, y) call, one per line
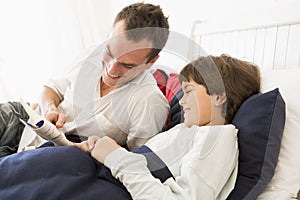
point(39, 38)
point(182, 15)
point(37, 41)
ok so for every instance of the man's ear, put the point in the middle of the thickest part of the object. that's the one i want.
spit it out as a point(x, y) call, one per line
point(219, 100)
point(152, 61)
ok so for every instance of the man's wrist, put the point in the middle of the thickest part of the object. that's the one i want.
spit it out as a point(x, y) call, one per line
point(49, 108)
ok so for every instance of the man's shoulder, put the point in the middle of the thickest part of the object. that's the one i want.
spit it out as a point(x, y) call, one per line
point(142, 80)
point(148, 90)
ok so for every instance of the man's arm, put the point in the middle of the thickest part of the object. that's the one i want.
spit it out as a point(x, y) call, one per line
point(49, 101)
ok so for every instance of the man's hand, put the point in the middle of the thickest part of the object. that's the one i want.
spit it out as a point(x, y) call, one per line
point(89, 144)
point(49, 101)
point(53, 115)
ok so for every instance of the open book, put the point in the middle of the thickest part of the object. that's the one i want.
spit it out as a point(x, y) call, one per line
point(43, 127)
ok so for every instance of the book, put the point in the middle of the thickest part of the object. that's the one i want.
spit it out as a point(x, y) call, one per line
point(43, 127)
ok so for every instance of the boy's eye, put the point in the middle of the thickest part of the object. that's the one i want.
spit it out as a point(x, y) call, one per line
point(187, 91)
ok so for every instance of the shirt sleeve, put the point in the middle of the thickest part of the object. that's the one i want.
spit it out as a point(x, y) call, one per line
point(148, 114)
point(131, 169)
point(201, 177)
point(59, 85)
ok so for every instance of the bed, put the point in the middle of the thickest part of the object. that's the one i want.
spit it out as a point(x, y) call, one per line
point(275, 47)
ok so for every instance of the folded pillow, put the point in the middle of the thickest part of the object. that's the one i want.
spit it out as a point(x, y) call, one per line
point(260, 121)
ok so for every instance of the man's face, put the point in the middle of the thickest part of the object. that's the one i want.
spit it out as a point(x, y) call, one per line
point(123, 60)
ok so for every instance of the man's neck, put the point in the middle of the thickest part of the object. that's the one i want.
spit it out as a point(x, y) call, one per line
point(105, 89)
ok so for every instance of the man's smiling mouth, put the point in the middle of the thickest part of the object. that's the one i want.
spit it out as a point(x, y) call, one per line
point(111, 75)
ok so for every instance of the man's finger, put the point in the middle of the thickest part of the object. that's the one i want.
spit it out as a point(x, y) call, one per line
point(61, 120)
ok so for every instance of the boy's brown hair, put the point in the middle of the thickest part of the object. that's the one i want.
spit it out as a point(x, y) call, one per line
point(238, 79)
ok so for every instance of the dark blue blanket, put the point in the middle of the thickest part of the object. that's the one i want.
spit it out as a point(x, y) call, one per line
point(65, 173)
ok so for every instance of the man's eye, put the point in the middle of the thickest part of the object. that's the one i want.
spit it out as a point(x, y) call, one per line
point(128, 66)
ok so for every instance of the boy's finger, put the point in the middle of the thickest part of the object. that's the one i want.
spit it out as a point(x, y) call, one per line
point(91, 142)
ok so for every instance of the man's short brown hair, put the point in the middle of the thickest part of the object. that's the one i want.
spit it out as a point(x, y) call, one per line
point(149, 22)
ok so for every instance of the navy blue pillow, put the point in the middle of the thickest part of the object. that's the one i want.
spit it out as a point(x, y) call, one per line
point(260, 121)
point(176, 113)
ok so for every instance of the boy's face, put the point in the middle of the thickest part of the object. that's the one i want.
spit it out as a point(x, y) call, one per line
point(197, 104)
point(123, 60)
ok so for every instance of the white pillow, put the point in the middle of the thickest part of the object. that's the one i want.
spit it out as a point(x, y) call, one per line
point(285, 183)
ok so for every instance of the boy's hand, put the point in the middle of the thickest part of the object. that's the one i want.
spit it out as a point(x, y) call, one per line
point(103, 147)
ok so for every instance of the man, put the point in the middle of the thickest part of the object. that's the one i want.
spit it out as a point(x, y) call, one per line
point(109, 90)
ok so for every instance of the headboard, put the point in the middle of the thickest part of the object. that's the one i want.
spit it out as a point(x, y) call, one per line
point(268, 45)
point(275, 48)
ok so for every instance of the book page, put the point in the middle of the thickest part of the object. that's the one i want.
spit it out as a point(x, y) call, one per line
point(44, 128)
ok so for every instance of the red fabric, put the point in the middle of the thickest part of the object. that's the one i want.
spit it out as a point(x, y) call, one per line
point(161, 78)
point(169, 85)
point(172, 86)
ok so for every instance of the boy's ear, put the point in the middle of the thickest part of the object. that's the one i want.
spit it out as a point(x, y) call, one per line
point(219, 100)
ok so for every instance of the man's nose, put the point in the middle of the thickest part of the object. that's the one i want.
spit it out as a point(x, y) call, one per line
point(113, 67)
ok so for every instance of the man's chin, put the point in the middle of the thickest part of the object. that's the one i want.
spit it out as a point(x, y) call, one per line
point(113, 82)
